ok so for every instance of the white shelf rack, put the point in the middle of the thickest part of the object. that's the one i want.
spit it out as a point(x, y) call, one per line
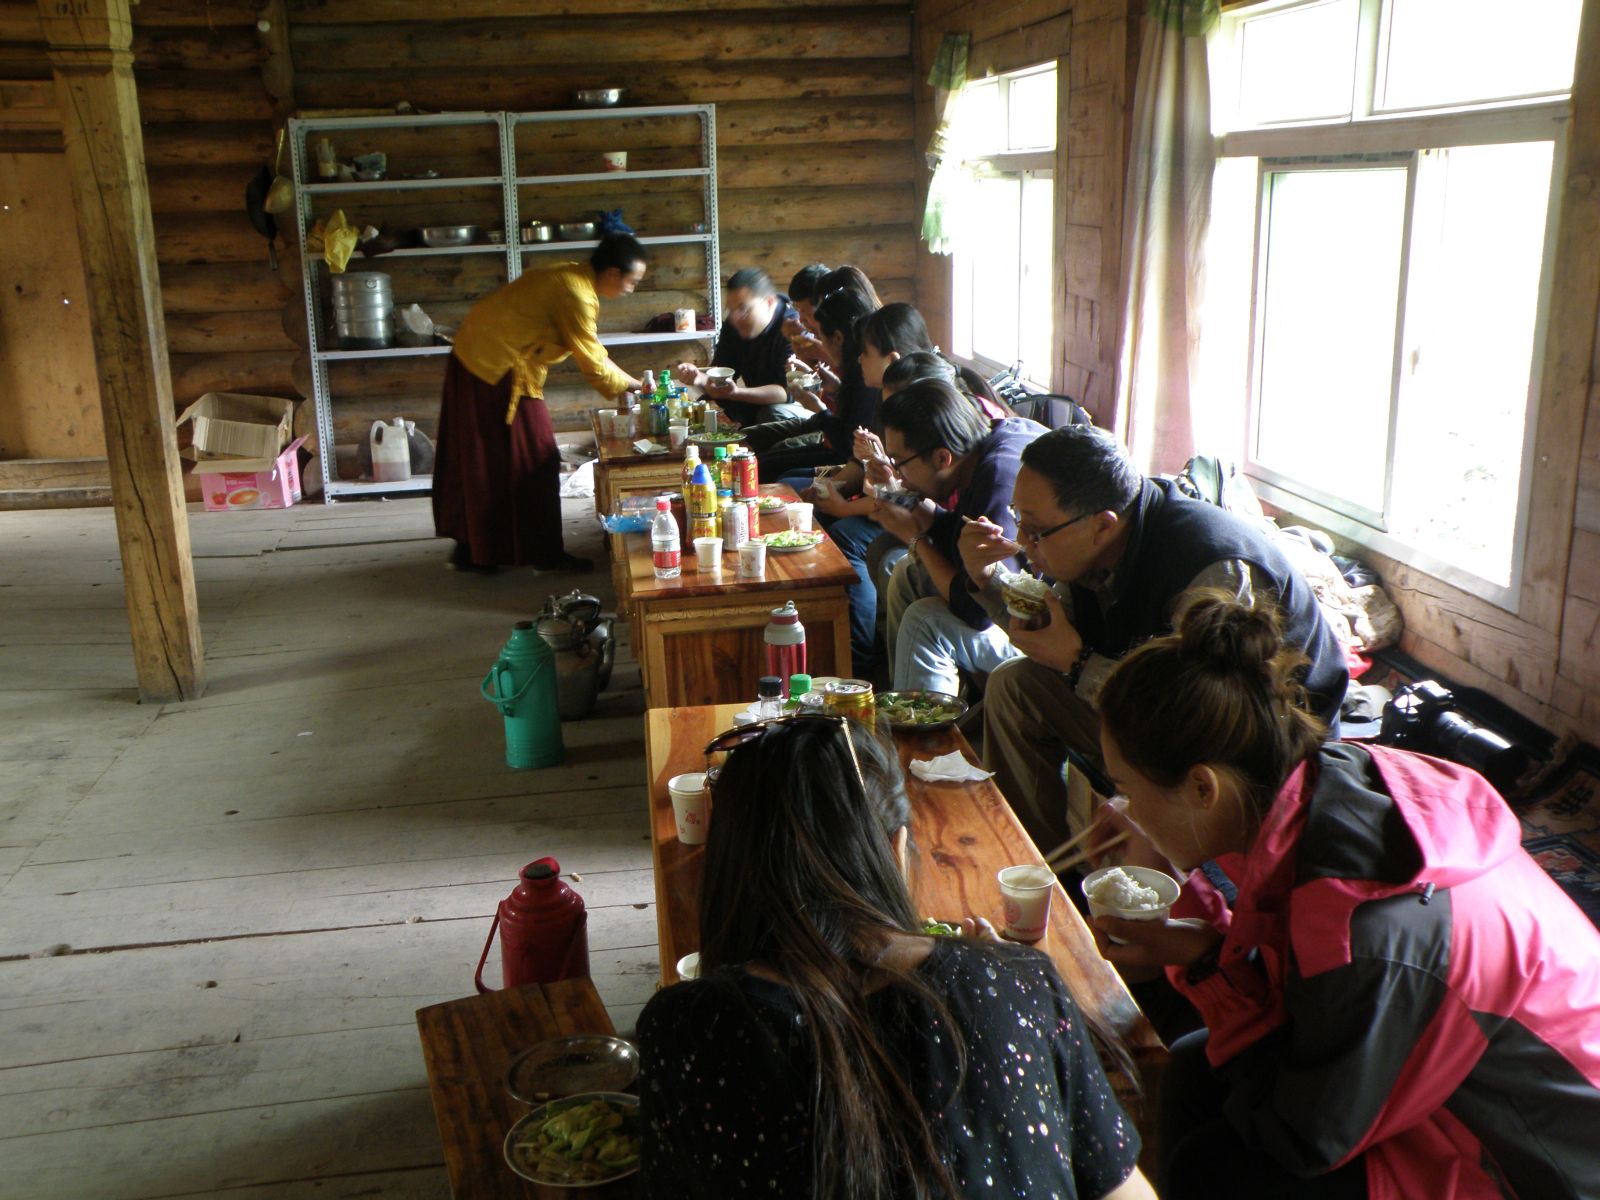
point(302, 132)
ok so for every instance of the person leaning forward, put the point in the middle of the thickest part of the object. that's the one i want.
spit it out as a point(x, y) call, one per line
point(751, 342)
point(497, 485)
point(1123, 551)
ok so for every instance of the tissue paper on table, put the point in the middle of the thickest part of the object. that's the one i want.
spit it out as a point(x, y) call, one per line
point(947, 768)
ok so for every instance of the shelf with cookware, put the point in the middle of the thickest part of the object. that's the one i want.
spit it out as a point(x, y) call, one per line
point(456, 176)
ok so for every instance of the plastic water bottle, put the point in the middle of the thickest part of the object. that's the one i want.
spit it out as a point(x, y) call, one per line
point(665, 549)
point(648, 382)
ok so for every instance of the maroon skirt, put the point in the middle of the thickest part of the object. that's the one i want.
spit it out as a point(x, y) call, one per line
point(496, 487)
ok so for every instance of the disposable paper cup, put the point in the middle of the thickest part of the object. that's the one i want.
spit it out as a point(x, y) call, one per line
point(713, 418)
point(616, 160)
point(689, 966)
point(608, 421)
point(753, 560)
point(1025, 901)
point(691, 806)
point(708, 555)
point(683, 320)
point(800, 516)
point(677, 436)
point(1151, 878)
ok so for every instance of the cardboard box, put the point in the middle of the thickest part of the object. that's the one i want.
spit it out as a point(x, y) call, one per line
point(253, 483)
point(235, 425)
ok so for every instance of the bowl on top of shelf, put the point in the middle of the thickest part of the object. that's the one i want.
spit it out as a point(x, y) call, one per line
point(437, 236)
point(600, 97)
point(578, 231)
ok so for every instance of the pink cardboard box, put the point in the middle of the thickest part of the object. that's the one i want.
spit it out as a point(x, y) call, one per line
point(253, 483)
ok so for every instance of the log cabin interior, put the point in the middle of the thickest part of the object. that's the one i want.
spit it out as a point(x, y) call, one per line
point(257, 811)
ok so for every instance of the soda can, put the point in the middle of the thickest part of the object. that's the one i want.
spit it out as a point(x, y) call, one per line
point(851, 698)
point(746, 475)
point(658, 417)
point(704, 525)
point(735, 525)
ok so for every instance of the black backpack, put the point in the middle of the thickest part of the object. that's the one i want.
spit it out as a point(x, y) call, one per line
point(1048, 409)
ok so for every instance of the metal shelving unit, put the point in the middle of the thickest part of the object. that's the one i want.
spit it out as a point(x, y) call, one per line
point(303, 131)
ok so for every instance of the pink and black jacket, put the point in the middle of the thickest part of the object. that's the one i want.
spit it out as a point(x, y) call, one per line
point(1399, 979)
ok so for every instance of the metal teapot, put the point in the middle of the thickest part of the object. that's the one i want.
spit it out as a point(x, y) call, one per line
point(585, 650)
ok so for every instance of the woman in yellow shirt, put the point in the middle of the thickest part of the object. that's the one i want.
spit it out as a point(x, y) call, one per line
point(497, 482)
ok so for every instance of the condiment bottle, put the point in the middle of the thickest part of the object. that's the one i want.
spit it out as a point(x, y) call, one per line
point(769, 697)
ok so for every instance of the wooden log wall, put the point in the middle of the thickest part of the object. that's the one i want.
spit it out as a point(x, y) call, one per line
point(1094, 43)
point(207, 124)
point(814, 136)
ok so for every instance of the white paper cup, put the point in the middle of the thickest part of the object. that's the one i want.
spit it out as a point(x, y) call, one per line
point(608, 421)
point(677, 436)
point(713, 418)
point(800, 516)
point(683, 320)
point(689, 966)
point(1151, 878)
point(753, 560)
point(708, 555)
point(1025, 901)
point(691, 806)
point(615, 160)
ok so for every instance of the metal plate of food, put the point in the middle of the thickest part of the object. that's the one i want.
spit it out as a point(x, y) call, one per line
point(920, 710)
point(582, 1141)
point(589, 1062)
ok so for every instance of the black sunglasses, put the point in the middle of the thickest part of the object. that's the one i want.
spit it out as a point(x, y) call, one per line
point(743, 735)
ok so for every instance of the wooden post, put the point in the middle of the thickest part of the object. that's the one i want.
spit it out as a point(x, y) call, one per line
point(90, 51)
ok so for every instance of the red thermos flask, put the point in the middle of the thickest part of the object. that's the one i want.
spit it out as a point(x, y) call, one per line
point(544, 930)
point(785, 640)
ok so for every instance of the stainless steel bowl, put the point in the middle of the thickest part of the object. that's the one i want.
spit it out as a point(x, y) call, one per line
point(449, 235)
point(578, 231)
point(539, 231)
point(600, 97)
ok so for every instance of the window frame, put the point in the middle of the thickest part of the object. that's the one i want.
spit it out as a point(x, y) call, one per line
point(1329, 145)
point(1033, 163)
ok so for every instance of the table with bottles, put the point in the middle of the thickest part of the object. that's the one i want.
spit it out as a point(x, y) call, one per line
point(698, 637)
point(621, 467)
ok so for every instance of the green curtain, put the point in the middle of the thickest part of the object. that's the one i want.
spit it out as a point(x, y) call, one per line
point(947, 78)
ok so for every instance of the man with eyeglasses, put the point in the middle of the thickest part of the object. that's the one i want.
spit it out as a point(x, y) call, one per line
point(752, 341)
point(1123, 551)
point(943, 447)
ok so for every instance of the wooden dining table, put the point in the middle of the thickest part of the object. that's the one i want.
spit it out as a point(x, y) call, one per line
point(698, 637)
point(622, 465)
point(962, 835)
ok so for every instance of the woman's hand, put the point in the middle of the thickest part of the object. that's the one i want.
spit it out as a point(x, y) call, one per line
point(811, 401)
point(836, 505)
point(977, 928)
point(1150, 946)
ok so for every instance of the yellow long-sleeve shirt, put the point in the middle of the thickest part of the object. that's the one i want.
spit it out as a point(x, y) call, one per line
point(539, 319)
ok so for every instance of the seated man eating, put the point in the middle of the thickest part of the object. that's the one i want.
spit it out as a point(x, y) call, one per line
point(752, 342)
point(945, 449)
point(1123, 551)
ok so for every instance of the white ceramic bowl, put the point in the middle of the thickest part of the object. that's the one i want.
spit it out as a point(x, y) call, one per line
point(1165, 884)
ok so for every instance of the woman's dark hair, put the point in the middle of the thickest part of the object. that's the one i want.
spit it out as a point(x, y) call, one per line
point(934, 415)
point(619, 250)
point(801, 877)
point(847, 278)
point(897, 329)
point(920, 366)
point(843, 312)
point(1223, 690)
point(803, 287)
point(1087, 469)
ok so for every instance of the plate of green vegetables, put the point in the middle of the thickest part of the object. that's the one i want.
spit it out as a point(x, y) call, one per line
point(580, 1141)
point(920, 710)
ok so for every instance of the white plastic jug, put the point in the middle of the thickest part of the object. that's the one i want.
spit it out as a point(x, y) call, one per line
point(391, 452)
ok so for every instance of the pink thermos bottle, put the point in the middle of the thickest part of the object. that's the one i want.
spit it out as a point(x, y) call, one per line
point(785, 640)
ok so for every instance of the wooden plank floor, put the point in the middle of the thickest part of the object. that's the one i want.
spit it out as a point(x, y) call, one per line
point(218, 918)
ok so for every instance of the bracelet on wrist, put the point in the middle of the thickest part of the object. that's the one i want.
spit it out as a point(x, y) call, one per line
point(1075, 671)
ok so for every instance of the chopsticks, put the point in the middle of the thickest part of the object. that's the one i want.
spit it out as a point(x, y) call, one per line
point(1057, 863)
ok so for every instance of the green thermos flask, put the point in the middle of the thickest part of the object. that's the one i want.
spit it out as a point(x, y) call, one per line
point(522, 685)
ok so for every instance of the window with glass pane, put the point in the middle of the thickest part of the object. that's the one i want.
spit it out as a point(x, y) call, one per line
point(1298, 64)
point(1472, 302)
point(1031, 112)
point(1449, 52)
point(983, 119)
point(1325, 345)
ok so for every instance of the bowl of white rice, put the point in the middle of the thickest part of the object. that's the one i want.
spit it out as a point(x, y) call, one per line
point(1132, 893)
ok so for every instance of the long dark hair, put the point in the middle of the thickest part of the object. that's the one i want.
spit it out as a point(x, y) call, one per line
point(843, 312)
point(800, 877)
point(847, 278)
point(1223, 690)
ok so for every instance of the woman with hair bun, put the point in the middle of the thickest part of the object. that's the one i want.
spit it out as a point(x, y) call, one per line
point(1399, 1003)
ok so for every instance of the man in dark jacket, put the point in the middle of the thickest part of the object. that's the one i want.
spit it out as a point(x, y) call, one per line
point(944, 448)
point(751, 342)
point(1123, 551)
